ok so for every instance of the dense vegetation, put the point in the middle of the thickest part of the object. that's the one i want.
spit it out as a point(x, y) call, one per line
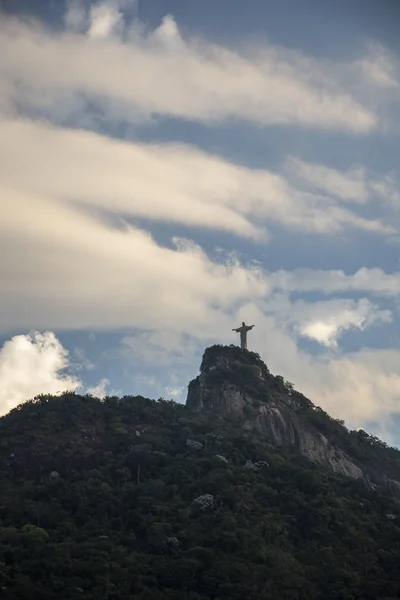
point(138, 499)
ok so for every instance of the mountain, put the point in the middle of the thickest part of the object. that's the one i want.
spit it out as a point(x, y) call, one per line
point(225, 498)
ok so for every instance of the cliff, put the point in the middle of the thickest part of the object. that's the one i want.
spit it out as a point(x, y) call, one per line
point(235, 382)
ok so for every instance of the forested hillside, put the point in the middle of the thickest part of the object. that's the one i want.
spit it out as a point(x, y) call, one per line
point(139, 499)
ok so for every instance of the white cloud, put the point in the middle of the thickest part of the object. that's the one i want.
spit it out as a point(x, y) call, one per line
point(105, 20)
point(324, 322)
point(176, 393)
point(372, 280)
point(361, 387)
point(31, 365)
point(63, 228)
point(37, 363)
point(101, 19)
point(350, 185)
point(83, 273)
point(379, 67)
point(386, 188)
point(160, 73)
point(354, 185)
point(100, 390)
point(376, 73)
point(169, 182)
point(324, 332)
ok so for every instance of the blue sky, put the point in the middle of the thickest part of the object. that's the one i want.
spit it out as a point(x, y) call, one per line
point(171, 168)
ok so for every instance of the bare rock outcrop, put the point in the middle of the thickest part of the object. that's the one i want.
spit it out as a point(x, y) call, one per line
point(235, 382)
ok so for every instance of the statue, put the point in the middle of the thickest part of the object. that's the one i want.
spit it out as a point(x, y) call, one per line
point(243, 334)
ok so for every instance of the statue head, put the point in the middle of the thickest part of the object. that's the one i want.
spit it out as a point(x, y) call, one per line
point(244, 324)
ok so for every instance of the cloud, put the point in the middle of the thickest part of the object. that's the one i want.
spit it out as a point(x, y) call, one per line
point(324, 322)
point(374, 281)
point(176, 393)
point(101, 19)
point(130, 70)
point(165, 182)
point(387, 188)
point(37, 363)
point(67, 231)
point(81, 361)
point(379, 67)
point(170, 182)
point(360, 387)
point(85, 274)
point(100, 390)
point(354, 185)
point(31, 365)
point(350, 185)
point(105, 20)
point(75, 16)
point(162, 347)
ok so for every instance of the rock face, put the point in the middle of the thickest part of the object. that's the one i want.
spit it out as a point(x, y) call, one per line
point(236, 382)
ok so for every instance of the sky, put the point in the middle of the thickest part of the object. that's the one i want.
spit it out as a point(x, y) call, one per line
point(170, 168)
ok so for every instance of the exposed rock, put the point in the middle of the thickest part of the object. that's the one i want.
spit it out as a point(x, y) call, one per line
point(236, 382)
point(256, 466)
point(204, 501)
point(286, 427)
point(221, 458)
point(193, 444)
point(173, 541)
point(250, 465)
point(261, 464)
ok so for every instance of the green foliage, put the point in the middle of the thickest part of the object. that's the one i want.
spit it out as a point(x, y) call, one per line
point(118, 523)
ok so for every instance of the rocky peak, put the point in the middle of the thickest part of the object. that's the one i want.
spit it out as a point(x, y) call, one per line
point(230, 379)
point(230, 358)
point(236, 382)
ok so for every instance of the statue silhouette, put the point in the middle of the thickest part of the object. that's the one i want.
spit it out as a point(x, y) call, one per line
point(243, 334)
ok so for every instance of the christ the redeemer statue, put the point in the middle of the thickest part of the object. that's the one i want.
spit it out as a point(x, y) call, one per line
point(243, 334)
